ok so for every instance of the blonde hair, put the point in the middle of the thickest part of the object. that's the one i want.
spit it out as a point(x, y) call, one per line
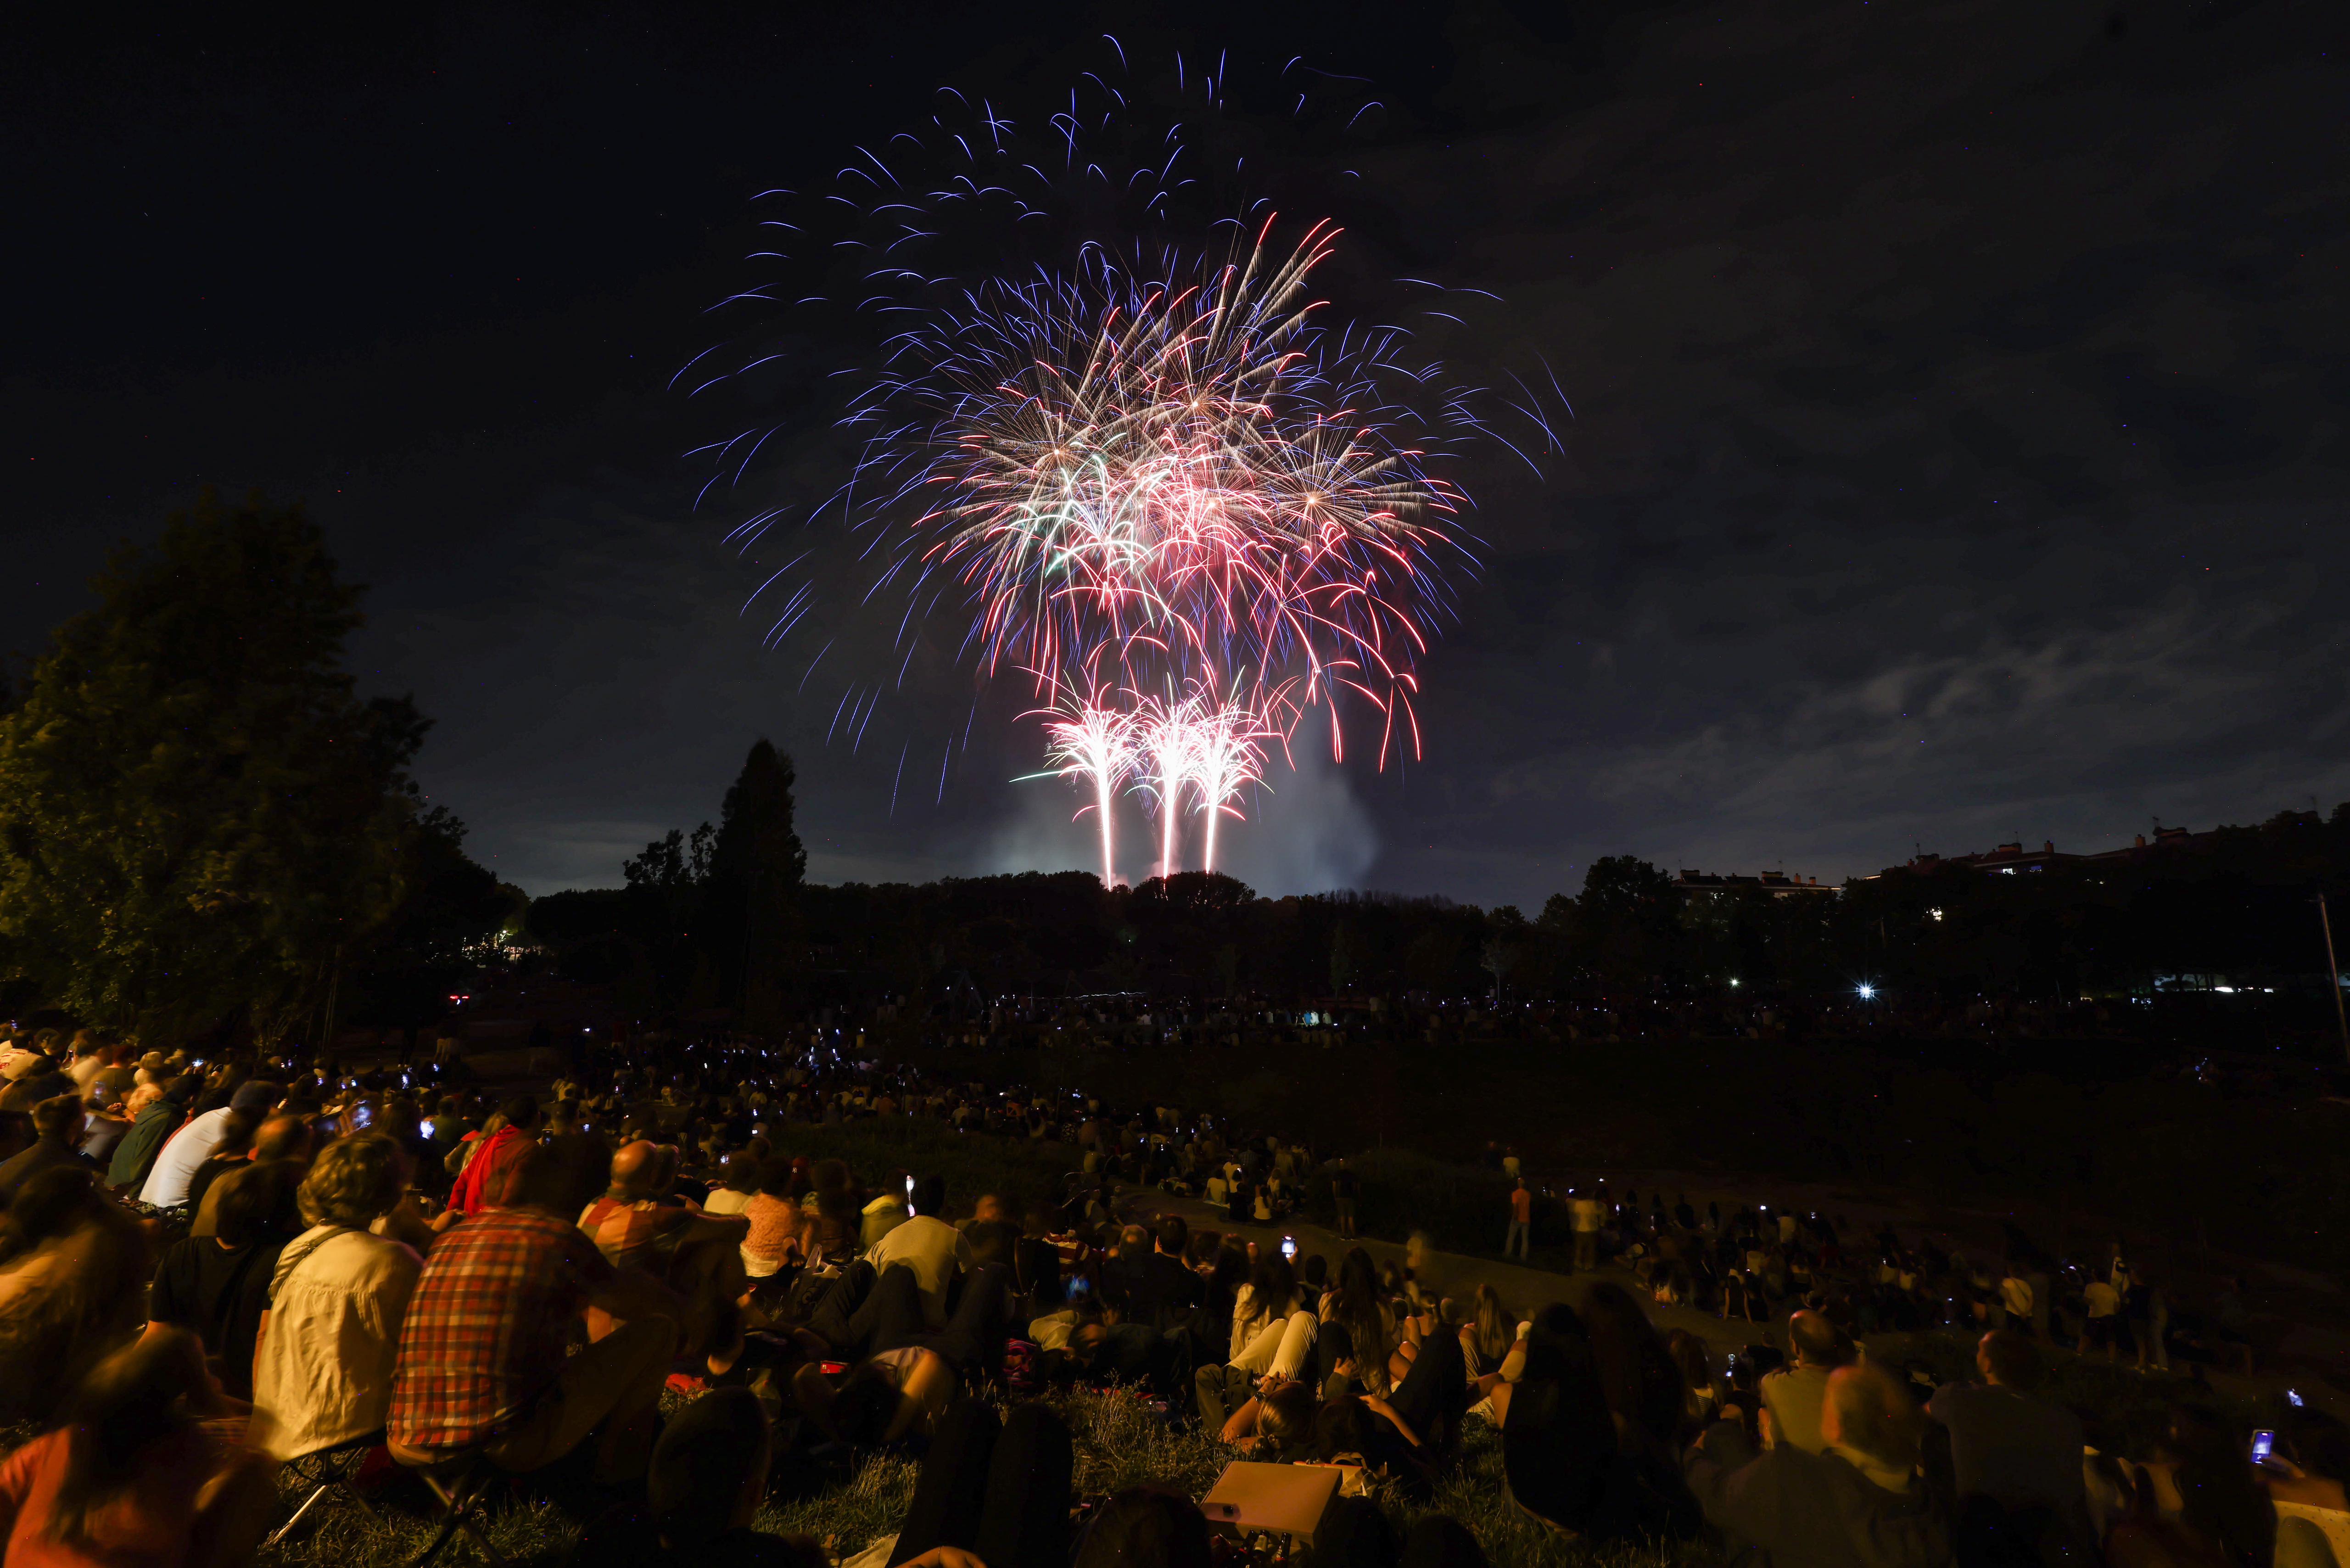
point(353, 1181)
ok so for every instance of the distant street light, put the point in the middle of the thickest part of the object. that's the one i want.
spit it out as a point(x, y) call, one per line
point(1867, 992)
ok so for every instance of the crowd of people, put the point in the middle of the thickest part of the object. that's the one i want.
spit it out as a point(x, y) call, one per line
point(212, 1269)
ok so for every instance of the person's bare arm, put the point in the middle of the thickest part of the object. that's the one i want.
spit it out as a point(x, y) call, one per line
point(932, 1381)
point(1381, 1408)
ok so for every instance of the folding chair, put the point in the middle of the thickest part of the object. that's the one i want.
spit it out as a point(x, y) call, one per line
point(330, 1468)
point(461, 1483)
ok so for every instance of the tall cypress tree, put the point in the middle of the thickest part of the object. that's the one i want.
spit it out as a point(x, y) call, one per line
point(757, 866)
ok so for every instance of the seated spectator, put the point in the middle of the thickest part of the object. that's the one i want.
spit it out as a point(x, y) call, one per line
point(234, 1152)
point(1156, 1291)
point(2017, 1453)
point(777, 1237)
point(134, 1157)
point(708, 1477)
point(733, 1196)
point(935, 1251)
point(483, 1361)
point(57, 1141)
point(493, 1155)
point(133, 1477)
point(166, 1186)
point(217, 1286)
point(580, 1151)
point(908, 1374)
point(1852, 1505)
point(1791, 1395)
point(1487, 1334)
point(1276, 1424)
point(32, 1078)
point(1271, 1334)
point(107, 1118)
point(322, 1373)
point(882, 1213)
point(2197, 1504)
point(637, 1225)
point(995, 1232)
point(837, 1209)
point(280, 1156)
point(72, 1265)
point(1646, 1398)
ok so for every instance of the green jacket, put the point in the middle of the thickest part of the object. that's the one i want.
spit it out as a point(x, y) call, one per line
point(137, 1151)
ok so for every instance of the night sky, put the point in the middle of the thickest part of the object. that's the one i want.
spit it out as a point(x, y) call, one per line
point(1957, 450)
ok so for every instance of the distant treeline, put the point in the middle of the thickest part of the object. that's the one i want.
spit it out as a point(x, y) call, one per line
point(2234, 907)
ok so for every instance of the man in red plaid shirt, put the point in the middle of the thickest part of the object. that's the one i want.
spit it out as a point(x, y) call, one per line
point(482, 1354)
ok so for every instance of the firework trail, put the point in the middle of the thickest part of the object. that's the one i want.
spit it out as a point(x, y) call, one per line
point(1227, 754)
point(1097, 743)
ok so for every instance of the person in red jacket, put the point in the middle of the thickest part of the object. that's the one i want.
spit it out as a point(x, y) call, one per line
point(134, 1475)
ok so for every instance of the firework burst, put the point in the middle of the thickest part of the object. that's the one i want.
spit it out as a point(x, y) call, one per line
point(1104, 419)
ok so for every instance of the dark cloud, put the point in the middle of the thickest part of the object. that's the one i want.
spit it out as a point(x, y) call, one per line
point(1959, 400)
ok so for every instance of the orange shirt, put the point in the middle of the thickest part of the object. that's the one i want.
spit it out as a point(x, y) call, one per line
point(148, 1527)
point(1521, 1205)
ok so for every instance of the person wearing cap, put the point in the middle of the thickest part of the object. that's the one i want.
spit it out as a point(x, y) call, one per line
point(134, 1157)
point(167, 1181)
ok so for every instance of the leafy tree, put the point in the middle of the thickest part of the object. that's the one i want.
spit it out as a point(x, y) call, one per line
point(406, 969)
point(198, 817)
point(1625, 925)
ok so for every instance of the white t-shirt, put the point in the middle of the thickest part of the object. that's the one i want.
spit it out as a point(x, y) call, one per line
point(1586, 1213)
point(934, 1249)
point(167, 1182)
point(726, 1201)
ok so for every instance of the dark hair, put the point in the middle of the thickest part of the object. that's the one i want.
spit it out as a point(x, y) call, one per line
point(1173, 1233)
point(930, 1196)
point(1638, 1377)
point(532, 1179)
point(54, 1114)
point(1314, 1271)
point(742, 1172)
point(707, 1457)
point(1273, 1283)
point(1338, 1428)
point(2014, 1360)
point(1143, 1527)
point(126, 1406)
point(521, 1112)
point(774, 1176)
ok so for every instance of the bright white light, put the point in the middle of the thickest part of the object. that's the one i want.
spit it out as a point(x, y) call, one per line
point(1936, 913)
point(1733, 980)
point(1868, 993)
